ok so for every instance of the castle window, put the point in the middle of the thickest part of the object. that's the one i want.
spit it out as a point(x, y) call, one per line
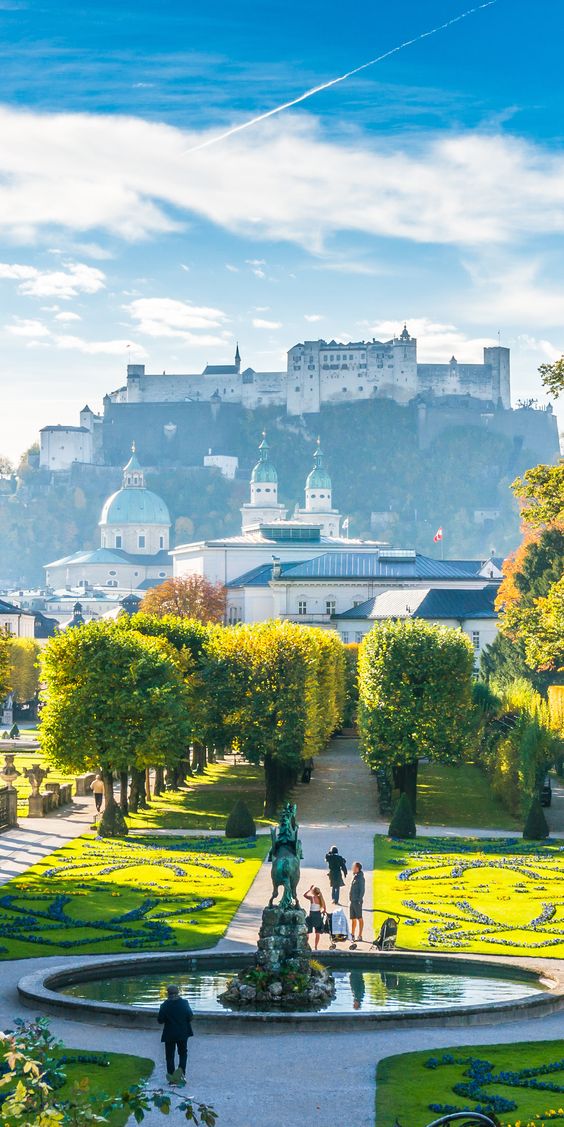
point(296, 389)
point(118, 540)
point(141, 540)
point(161, 541)
point(302, 606)
point(360, 387)
point(330, 606)
point(476, 639)
point(344, 389)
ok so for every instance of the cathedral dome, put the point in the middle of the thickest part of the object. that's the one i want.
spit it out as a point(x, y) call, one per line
point(264, 470)
point(135, 505)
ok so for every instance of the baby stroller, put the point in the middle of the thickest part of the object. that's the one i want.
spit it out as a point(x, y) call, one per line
point(386, 940)
point(337, 927)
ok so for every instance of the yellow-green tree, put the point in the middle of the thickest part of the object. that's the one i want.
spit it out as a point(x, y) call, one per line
point(24, 668)
point(115, 700)
point(415, 685)
point(5, 683)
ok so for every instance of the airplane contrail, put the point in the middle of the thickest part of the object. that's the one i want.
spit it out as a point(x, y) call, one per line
point(334, 81)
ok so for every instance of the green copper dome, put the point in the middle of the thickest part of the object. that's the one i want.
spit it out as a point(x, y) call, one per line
point(264, 470)
point(135, 505)
point(318, 478)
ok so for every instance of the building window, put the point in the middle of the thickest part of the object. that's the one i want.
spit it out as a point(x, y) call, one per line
point(161, 541)
point(141, 540)
point(357, 602)
point(358, 636)
point(302, 606)
point(330, 606)
point(476, 639)
point(345, 636)
point(162, 574)
point(112, 572)
point(118, 541)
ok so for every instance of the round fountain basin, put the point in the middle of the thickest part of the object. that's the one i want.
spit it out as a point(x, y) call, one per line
point(369, 989)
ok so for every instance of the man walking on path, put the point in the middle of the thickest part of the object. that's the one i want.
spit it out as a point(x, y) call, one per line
point(358, 888)
point(97, 788)
point(175, 1015)
point(337, 871)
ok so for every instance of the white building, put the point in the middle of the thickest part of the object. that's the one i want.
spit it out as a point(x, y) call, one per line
point(472, 611)
point(302, 570)
point(134, 541)
point(60, 446)
point(15, 621)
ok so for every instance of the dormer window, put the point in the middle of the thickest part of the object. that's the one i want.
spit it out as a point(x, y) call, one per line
point(118, 540)
point(141, 540)
point(161, 541)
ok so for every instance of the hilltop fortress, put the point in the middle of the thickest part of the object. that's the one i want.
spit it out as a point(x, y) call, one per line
point(180, 420)
point(320, 372)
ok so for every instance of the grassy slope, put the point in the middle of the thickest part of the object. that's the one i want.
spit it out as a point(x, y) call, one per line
point(207, 800)
point(512, 897)
point(405, 1088)
point(459, 796)
point(122, 1072)
point(146, 873)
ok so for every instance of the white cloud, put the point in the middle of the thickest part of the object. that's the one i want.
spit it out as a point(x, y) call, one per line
point(27, 328)
point(68, 317)
point(166, 317)
point(259, 323)
point(255, 261)
point(232, 269)
point(313, 317)
point(514, 293)
point(75, 278)
point(287, 180)
point(436, 341)
point(184, 267)
point(99, 347)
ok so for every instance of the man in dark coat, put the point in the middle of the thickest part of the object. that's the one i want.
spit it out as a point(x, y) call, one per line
point(337, 870)
point(175, 1015)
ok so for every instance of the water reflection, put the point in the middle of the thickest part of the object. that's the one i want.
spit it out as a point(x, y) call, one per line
point(358, 989)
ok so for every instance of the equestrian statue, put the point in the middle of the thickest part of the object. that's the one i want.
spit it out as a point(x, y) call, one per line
point(285, 855)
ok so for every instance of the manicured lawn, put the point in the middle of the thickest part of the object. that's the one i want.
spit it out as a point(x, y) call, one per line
point(503, 897)
point(206, 801)
point(114, 1073)
point(137, 894)
point(24, 760)
point(459, 796)
point(415, 1088)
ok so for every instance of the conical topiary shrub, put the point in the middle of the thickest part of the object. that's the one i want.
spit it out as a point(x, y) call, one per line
point(240, 822)
point(536, 826)
point(403, 822)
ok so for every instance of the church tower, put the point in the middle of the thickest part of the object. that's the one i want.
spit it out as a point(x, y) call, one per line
point(319, 498)
point(263, 506)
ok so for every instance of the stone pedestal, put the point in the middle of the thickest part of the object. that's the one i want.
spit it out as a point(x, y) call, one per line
point(283, 975)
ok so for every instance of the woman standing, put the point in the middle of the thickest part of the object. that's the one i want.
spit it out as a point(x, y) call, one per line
point(317, 912)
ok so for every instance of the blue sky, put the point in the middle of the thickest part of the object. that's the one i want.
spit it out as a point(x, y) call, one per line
point(428, 188)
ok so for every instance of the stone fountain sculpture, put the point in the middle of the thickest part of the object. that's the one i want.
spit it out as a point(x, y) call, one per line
point(35, 776)
point(284, 975)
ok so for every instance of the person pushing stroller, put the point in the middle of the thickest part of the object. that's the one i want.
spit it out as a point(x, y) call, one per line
point(337, 871)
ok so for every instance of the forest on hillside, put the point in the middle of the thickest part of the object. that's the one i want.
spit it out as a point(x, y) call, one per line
point(375, 463)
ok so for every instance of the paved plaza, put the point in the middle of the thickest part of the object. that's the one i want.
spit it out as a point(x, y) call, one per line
point(271, 1077)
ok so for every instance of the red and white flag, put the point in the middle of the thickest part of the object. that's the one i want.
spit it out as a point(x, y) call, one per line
point(438, 535)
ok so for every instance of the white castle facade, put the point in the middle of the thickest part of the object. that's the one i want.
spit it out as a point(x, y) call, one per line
point(320, 372)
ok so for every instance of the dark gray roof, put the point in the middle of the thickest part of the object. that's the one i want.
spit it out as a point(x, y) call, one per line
point(221, 370)
point(9, 608)
point(113, 555)
point(373, 565)
point(58, 426)
point(423, 602)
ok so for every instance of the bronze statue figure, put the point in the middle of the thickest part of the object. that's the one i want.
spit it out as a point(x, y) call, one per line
point(285, 855)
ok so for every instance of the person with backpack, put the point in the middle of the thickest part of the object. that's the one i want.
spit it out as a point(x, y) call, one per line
point(356, 897)
point(337, 871)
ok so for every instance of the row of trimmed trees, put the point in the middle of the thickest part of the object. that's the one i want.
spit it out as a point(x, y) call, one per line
point(126, 696)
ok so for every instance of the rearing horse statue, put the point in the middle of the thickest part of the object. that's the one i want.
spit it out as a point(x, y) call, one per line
point(285, 854)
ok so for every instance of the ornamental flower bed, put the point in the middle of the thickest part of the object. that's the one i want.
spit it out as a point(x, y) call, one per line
point(501, 896)
point(102, 895)
point(522, 1084)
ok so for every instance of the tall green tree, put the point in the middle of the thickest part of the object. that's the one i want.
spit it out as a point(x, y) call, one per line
point(553, 376)
point(115, 700)
point(415, 684)
point(541, 492)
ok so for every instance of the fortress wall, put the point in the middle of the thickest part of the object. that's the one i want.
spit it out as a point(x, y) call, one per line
point(536, 431)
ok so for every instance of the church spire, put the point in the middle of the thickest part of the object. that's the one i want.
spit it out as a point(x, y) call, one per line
point(237, 358)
